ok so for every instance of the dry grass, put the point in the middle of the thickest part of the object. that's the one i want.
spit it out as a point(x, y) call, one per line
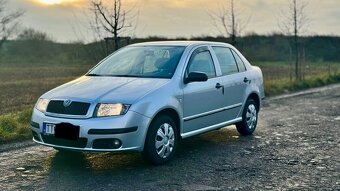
point(21, 86)
point(278, 71)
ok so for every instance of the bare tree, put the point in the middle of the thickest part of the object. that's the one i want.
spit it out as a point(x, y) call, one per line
point(294, 23)
point(8, 21)
point(228, 22)
point(34, 35)
point(111, 20)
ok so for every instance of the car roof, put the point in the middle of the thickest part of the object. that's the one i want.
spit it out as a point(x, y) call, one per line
point(178, 43)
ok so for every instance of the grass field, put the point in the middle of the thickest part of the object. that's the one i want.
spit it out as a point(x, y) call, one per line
point(278, 79)
point(22, 84)
point(277, 71)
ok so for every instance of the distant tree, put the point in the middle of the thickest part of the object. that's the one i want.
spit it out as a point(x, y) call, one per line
point(294, 23)
point(8, 21)
point(111, 20)
point(32, 34)
point(227, 21)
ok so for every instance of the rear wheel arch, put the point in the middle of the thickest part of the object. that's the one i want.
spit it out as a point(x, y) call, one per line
point(254, 96)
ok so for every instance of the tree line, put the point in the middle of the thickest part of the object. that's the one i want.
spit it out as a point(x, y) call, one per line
point(257, 48)
point(111, 22)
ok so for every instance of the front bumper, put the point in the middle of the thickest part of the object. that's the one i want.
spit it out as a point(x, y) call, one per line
point(130, 129)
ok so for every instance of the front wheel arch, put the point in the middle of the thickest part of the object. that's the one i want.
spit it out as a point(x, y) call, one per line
point(149, 151)
point(172, 113)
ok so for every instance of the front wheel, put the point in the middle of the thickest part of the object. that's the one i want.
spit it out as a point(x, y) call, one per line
point(161, 140)
point(249, 118)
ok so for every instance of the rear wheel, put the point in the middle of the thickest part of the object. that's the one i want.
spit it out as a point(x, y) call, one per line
point(249, 118)
point(161, 141)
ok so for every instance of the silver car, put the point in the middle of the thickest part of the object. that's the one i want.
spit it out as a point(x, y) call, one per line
point(146, 97)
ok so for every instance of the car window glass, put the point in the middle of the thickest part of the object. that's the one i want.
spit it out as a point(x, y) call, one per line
point(146, 61)
point(239, 62)
point(226, 59)
point(202, 62)
point(154, 59)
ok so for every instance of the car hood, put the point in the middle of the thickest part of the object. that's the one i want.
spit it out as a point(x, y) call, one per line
point(106, 89)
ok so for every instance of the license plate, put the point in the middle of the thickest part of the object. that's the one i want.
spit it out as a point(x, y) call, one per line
point(49, 129)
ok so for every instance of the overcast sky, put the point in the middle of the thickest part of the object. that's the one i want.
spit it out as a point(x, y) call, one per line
point(67, 21)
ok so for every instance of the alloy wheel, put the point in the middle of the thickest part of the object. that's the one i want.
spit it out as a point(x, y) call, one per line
point(251, 116)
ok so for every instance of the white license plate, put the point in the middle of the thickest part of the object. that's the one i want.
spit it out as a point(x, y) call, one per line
point(48, 129)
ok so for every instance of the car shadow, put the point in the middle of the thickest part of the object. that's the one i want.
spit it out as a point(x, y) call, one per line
point(108, 161)
point(91, 168)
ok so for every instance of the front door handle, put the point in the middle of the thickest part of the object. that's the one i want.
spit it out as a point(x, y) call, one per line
point(219, 86)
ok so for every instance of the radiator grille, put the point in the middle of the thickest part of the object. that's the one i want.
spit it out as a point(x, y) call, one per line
point(75, 108)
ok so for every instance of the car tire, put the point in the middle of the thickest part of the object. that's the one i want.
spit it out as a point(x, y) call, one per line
point(161, 140)
point(249, 118)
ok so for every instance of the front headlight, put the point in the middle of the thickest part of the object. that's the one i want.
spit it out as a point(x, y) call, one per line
point(42, 104)
point(106, 110)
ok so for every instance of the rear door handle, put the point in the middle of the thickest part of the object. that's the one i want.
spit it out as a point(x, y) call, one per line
point(245, 80)
point(218, 86)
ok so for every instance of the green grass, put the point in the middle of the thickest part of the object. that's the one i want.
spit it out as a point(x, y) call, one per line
point(20, 86)
point(276, 71)
point(16, 126)
point(286, 86)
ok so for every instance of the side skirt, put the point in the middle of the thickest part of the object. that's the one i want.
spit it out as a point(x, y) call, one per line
point(210, 128)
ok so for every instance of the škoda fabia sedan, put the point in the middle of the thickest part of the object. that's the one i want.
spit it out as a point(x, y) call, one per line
point(146, 97)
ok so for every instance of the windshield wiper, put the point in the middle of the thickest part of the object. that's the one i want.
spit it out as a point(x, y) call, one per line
point(133, 76)
point(93, 75)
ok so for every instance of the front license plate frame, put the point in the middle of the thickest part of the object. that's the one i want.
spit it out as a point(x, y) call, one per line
point(48, 128)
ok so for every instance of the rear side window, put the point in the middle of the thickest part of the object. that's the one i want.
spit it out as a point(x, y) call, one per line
point(226, 59)
point(240, 63)
point(202, 62)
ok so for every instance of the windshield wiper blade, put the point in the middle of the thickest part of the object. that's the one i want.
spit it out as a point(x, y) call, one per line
point(93, 75)
point(133, 76)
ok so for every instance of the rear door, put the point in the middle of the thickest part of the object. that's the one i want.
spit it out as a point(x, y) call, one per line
point(202, 100)
point(234, 79)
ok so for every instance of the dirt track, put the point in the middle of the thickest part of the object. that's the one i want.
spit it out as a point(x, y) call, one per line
point(296, 146)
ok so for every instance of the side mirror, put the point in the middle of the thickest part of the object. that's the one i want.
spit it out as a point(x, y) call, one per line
point(196, 77)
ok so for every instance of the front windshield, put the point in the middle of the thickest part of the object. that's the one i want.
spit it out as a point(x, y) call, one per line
point(141, 61)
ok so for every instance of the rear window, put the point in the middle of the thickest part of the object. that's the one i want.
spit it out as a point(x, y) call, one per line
point(226, 59)
point(240, 63)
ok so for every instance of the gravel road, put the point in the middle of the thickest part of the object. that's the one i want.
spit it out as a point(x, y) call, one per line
point(296, 147)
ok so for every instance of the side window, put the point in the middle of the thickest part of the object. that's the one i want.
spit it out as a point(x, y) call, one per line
point(239, 62)
point(226, 59)
point(202, 62)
